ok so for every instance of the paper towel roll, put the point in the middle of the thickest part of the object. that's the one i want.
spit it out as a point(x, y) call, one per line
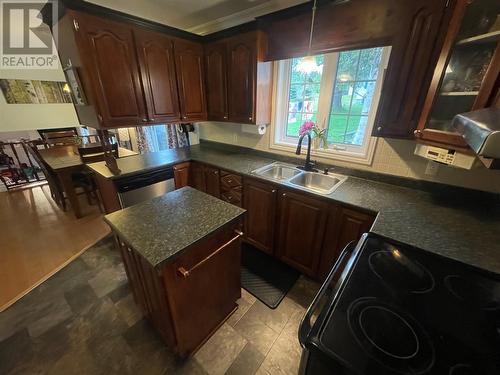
point(254, 129)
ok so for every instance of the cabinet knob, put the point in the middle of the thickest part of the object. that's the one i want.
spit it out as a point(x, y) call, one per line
point(151, 119)
point(229, 197)
point(184, 117)
point(229, 181)
point(144, 120)
point(418, 133)
point(250, 118)
point(225, 117)
point(283, 195)
point(216, 172)
point(379, 129)
point(273, 191)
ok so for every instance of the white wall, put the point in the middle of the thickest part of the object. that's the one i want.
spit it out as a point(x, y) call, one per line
point(393, 157)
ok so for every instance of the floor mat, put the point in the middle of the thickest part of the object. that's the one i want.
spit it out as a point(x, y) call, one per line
point(265, 277)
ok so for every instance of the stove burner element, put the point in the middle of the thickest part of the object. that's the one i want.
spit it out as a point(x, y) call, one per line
point(371, 316)
point(397, 270)
point(476, 294)
point(461, 369)
point(391, 337)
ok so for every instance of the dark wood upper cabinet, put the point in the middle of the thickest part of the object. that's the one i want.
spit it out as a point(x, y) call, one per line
point(156, 59)
point(190, 78)
point(212, 181)
point(344, 225)
point(414, 30)
point(239, 81)
point(241, 77)
point(302, 222)
point(466, 74)
point(216, 77)
point(259, 199)
point(107, 50)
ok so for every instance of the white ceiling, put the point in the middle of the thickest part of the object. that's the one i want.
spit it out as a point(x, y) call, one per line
point(198, 16)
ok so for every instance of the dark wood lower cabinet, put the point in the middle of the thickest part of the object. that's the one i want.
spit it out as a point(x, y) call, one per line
point(212, 183)
point(197, 176)
point(259, 199)
point(181, 175)
point(302, 223)
point(344, 225)
point(186, 310)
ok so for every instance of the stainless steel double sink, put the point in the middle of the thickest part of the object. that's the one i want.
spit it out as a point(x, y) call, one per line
point(290, 175)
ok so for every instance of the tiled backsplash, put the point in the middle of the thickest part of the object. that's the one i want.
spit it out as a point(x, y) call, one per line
point(392, 156)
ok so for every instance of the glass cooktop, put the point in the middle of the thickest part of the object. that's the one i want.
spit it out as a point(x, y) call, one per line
point(405, 311)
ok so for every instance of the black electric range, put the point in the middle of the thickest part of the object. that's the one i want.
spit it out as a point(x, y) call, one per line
point(389, 308)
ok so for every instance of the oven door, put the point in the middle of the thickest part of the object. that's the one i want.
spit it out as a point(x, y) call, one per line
point(311, 361)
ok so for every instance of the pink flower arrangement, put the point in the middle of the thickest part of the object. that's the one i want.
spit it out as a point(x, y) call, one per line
point(307, 126)
point(320, 134)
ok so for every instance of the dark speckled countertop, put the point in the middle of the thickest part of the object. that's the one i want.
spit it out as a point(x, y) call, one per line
point(160, 229)
point(452, 225)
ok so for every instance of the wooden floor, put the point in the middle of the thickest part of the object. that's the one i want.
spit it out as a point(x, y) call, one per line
point(37, 239)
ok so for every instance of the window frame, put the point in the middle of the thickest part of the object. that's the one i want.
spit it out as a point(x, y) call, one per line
point(280, 141)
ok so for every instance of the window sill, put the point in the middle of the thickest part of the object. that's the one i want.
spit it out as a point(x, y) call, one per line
point(331, 154)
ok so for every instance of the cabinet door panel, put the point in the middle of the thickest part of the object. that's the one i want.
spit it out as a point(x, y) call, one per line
point(344, 225)
point(190, 77)
point(301, 229)
point(212, 181)
point(197, 177)
point(260, 202)
point(216, 69)
point(109, 51)
point(242, 66)
point(181, 175)
point(156, 58)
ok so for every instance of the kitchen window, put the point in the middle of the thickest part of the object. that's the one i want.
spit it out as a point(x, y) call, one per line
point(340, 92)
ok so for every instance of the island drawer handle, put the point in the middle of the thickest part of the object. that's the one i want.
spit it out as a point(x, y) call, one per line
point(185, 273)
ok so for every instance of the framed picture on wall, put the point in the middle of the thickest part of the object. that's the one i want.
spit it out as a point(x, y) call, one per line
point(75, 86)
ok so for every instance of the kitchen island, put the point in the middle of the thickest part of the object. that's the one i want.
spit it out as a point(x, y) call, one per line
point(181, 252)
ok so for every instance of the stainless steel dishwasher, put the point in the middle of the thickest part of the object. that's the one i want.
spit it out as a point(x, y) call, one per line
point(144, 186)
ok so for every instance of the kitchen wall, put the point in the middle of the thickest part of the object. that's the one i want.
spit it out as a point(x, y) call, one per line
point(392, 156)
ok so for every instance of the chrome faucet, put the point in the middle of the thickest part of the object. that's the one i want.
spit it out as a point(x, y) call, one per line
point(308, 166)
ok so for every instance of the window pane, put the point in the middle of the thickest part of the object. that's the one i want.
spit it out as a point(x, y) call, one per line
point(341, 100)
point(355, 130)
point(294, 122)
point(336, 128)
point(362, 97)
point(297, 76)
point(369, 63)
point(347, 65)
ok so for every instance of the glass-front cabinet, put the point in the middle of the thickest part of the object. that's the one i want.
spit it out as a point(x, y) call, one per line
point(466, 75)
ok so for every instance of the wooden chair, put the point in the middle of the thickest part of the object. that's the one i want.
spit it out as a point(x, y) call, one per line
point(62, 138)
point(55, 187)
point(94, 152)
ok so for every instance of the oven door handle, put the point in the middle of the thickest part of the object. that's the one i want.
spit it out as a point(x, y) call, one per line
point(305, 325)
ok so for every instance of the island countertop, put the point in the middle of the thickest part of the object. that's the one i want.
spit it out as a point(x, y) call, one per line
point(162, 228)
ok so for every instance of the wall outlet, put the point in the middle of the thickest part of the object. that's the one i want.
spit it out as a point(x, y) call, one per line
point(432, 168)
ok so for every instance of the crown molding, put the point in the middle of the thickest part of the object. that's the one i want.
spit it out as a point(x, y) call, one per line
point(243, 16)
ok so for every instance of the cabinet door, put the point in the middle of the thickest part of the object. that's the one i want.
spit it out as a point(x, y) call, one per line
point(241, 79)
point(301, 229)
point(109, 53)
point(189, 66)
point(260, 202)
point(344, 225)
point(197, 177)
point(181, 175)
point(465, 75)
point(212, 181)
point(156, 59)
point(216, 69)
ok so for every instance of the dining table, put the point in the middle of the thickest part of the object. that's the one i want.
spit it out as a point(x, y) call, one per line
point(64, 161)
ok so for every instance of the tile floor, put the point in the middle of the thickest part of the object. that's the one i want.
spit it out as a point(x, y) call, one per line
point(83, 320)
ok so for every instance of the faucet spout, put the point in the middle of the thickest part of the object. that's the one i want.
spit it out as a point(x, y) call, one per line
point(308, 165)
